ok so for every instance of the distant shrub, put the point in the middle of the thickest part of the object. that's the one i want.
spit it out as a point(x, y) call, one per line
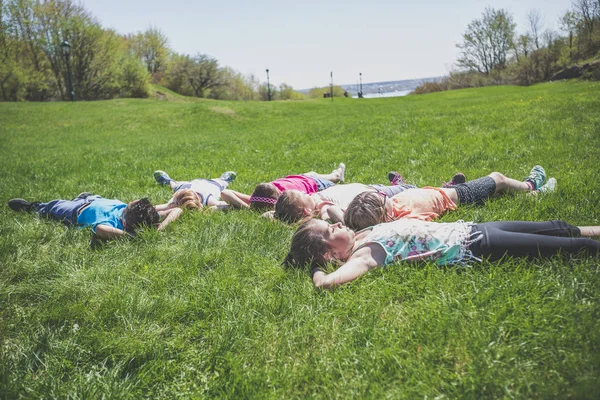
point(317, 92)
point(431, 87)
point(286, 92)
point(134, 79)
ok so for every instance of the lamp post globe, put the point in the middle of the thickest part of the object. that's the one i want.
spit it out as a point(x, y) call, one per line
point(268, 86)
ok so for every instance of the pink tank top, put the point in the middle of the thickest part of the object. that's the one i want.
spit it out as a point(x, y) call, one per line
point(302, 183)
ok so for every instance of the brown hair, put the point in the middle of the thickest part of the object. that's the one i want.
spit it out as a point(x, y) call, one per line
point(187, 198)
point(140, 213)
point(287, 208)
point(308, 248)
point(367, 209)
point(267, 191)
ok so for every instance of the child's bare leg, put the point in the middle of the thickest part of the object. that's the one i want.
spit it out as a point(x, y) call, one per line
point(337, 175)
point(451, 194)
point(174, 184)
point(589, 231)
point(504, 184)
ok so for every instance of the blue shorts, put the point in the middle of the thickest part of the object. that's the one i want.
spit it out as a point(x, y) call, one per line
point(322, 184)
point(65, 211)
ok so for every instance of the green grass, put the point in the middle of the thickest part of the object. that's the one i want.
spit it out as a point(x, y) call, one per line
point(205, 310)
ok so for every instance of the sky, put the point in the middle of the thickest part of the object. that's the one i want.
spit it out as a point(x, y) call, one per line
point(301, 42)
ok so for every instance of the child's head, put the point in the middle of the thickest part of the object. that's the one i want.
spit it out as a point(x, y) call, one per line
point(264, 197)
point(187, 198)
point(293, 206)
point(317, 242)
point(139, 213)
point(367, 209)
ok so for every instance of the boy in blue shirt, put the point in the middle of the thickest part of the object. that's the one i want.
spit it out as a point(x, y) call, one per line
point(108, 218)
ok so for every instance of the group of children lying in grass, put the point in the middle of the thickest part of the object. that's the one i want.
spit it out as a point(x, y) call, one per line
point(357, 225)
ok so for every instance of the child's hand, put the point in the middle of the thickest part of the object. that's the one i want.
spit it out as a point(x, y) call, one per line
point(95, 242)
point(269, 215)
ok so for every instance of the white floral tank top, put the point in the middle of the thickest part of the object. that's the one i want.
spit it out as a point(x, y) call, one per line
point(414, 240)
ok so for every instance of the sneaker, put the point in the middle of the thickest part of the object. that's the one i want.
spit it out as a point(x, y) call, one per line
point(228, 176)
point(536, 177)
point(83, 195)
point(22, 205)
point(162, 177)
point(342, 168)
point(395, 178)
point(458, 177)
point(548, 187)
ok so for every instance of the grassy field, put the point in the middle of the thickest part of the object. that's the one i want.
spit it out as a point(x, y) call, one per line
point(205, 310)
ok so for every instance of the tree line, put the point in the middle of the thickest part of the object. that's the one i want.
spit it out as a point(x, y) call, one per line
point(104, 63)
point(494, 52)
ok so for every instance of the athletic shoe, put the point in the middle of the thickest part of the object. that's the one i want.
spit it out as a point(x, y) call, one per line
point(342, 168)
point(395, 178)
point(458, 177)
point(228, 176)
point(22, 205)
point(549, 187)
point(83, 195)
point(536, 177)
point(162, 177)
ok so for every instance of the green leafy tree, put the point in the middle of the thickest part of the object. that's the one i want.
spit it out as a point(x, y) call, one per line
point(235, 86)
point(204, 74)
point(194, 76)
point(176, 74)
point(286, 92)
point(152, 47)
point(487, 41)
point(34, 66)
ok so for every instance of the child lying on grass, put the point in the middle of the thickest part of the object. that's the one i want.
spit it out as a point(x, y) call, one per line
point(317, 243)
point(198, 193)
point(372, 208)
point(265, 195)
point(108, 218)
point(331, 203)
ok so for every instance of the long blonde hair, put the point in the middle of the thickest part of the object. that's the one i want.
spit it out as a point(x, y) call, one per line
point(187, 198)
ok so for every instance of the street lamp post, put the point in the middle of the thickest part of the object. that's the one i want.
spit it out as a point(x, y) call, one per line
point(331, 86)
point(360, 93)
point(268, 86)
point(66, 48)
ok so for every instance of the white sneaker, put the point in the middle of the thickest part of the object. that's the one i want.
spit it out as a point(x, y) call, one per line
point(548, 187)
point(342, 168)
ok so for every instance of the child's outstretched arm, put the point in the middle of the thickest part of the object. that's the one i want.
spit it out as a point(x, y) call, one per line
point(169, 216)
point(335, 214)
point(236, 199)
point(362, 261)
point(329, 211)
point(106, 232)
point(163, 207)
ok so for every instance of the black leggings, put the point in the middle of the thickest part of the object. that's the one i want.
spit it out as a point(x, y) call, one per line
point(530, 239)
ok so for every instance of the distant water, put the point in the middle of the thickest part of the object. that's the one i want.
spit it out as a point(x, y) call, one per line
point(386, 94)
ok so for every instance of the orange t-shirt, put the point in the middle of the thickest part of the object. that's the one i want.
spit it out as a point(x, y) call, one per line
point(424, 204)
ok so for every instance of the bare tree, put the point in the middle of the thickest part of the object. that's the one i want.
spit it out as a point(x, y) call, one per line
point(487, 41)
point(534, 19)
point(549, 36)
point(588, 10)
